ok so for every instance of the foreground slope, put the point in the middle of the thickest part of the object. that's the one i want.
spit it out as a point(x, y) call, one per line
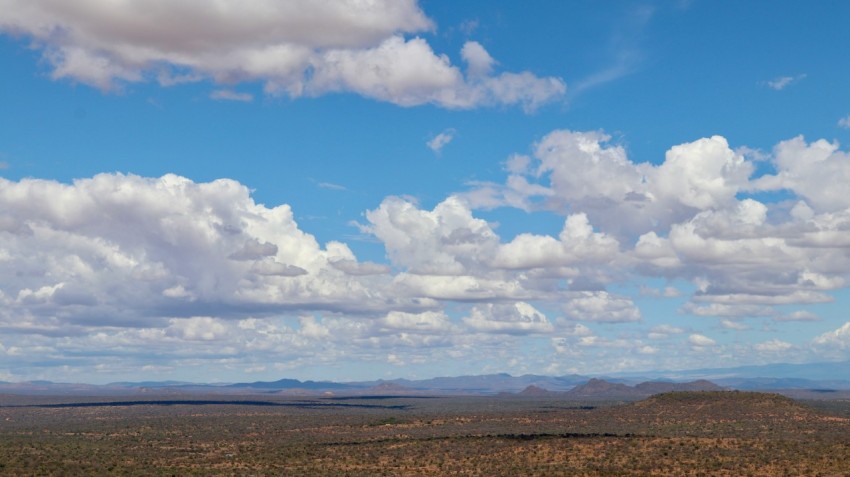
point(679, 433)
point(729, 413)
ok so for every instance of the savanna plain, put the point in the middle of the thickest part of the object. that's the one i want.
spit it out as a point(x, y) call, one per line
point(681, 433)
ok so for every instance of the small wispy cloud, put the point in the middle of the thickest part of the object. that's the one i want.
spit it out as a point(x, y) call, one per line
point(844, 122)
point(773, 346)
point(4, 165)
point(733, 325)
point(230, 95)
point(625, 51)
point(782, 82)
point(797, 316)
point(468, 27)
point(438, 142)
point(331, 186)
point(667, 292)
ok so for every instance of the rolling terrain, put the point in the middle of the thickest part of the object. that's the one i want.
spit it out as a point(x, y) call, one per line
point(674, 433)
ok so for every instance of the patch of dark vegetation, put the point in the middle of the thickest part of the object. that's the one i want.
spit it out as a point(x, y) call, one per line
point(578, 407)
point(374, 398)
point(562, 435)
point(195, 402)
point(388, 421)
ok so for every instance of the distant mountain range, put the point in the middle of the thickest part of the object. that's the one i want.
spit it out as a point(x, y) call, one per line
point(818, 378)
point(486, 383)
point(830, 375)
point(836, 372)
point(291, 384)
point(601, 389)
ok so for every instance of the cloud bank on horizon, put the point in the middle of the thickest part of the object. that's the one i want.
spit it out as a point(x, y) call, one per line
point(126, 264)
point(119, 274)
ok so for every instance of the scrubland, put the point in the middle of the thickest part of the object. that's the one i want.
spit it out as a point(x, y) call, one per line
point(697, 434)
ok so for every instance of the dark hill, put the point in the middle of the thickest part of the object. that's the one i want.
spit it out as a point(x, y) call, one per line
point(657, 387)
point(601, 389)
point(738, 414)
point(535, 391)
point(723, 406)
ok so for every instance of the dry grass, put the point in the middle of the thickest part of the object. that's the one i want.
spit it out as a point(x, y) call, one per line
point(734, 434)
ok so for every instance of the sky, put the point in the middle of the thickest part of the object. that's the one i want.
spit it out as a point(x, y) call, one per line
point(355, 190)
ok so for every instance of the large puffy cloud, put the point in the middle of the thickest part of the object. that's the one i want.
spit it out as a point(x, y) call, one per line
point(742, 263)
point(689, 216)
point(685, 219)
point(118, 250)
point(97, 42)
point(445, 241)
point(817, 172)
point(294, 47)
point(449, 240)
point(194, 25)
point(577, 243)
point(449, 254)
point(739, 257)
point(588, 174)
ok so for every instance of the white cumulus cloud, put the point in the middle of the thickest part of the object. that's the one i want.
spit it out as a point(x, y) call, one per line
point(773, 346)
point(515, 318)
point(116, 249)
point(701, 341)
point(603, 307)
point(838, 338)
point(817, 172)
point(293, 47)
point(588, 174)
point(689, 217)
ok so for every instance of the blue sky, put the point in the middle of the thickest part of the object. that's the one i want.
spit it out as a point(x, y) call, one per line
point(350, 190)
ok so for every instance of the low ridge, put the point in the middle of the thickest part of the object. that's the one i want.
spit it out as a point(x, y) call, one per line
point(724, 406)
